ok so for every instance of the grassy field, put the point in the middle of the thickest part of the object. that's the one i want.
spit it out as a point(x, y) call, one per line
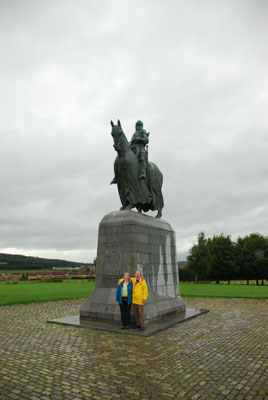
point(223, 290)
point(30, 292)
point(25, 292)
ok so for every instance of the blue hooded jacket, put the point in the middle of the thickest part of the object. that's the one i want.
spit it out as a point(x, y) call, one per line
point(118, 296)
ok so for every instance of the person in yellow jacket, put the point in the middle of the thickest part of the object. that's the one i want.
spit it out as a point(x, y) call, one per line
point(139, 297)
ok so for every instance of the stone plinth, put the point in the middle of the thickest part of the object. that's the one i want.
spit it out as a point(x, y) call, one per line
point(128, 241)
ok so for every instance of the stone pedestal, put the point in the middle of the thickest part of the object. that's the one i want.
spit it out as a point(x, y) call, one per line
point(128, 241)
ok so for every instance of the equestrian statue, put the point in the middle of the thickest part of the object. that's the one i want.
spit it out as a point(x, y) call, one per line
point(139, 182)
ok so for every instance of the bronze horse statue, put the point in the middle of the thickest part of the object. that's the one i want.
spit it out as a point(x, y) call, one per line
point(144, 194)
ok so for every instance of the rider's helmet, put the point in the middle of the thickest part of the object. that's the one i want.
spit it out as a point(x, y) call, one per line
point(139, 125)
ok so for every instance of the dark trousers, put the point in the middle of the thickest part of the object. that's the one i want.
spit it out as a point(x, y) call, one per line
point(125, 312)
point(139, 314)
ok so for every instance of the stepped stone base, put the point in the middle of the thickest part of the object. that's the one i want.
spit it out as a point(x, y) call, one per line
point(128, 241)
point(153, 327)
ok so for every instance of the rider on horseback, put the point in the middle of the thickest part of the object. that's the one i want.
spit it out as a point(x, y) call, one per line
point(138, 142)
point(139, 181)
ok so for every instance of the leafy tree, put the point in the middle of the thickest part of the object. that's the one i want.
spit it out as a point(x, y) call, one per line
point(197, 259)
point(243, 260)
point(255, 256)
point(265, 261)
point(221, 258)
point(186, 274)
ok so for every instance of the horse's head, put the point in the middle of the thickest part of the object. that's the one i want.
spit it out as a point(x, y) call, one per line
point(120, 140)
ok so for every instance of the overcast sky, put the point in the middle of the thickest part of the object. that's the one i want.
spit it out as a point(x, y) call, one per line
point(195, 72)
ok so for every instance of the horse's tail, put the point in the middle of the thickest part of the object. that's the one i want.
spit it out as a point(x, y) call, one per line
point(155, 182)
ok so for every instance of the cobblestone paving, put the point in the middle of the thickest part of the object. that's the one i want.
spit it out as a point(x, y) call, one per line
point(220, 355)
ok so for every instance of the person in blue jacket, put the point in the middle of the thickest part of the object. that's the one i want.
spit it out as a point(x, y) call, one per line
point(124, 299)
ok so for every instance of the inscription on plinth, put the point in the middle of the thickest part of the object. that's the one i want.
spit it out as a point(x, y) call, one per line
point(113, 259)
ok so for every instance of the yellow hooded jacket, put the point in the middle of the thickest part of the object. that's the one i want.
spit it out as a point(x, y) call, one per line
point(139, 291)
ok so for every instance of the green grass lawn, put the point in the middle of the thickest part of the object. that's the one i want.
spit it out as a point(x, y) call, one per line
point(25, 292)
point(30, 292)
point(223, 290)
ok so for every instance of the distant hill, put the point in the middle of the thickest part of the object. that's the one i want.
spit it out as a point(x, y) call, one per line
point(16, 261)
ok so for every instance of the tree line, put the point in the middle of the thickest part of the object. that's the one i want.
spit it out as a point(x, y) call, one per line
point(220, 259)
point(17, 262)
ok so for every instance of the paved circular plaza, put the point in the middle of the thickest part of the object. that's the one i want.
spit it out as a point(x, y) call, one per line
point(219, 355)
